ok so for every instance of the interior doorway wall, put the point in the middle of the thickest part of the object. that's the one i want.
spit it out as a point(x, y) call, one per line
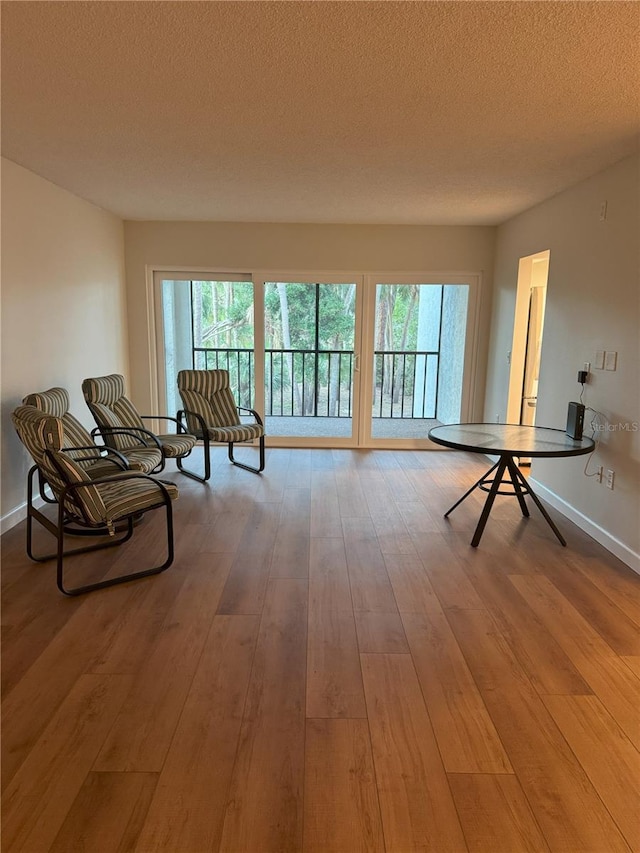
point(528, 327)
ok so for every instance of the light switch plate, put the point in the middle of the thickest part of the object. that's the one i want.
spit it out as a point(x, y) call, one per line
point(599, 362)
point(610, 360)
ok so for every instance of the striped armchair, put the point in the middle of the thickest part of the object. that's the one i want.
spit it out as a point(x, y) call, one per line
point(211, 413)
point(103, 507)
point(122, 427)
point(55, 402)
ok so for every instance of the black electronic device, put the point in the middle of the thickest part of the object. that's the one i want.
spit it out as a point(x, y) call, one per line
point(575, 421)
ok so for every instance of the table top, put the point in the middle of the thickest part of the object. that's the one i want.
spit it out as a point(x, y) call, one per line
point(513, 439)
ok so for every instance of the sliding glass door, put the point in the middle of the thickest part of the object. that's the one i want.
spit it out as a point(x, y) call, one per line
point(205, 323)
point(420, 340)
point(310, 361)
point(334, 361)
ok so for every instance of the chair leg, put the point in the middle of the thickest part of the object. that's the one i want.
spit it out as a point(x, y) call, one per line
point(80, 590)
point(207, 464)
point(258, 470)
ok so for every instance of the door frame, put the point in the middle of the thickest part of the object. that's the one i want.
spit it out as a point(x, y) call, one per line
point(474, 282)
point(364, 345)
point(520, 325)
point(260, 277)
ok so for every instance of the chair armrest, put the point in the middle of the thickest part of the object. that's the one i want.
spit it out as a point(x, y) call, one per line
point(203, 424)
point(134, 432)
point(120, 461)
point(251, 412)
point(165, 418)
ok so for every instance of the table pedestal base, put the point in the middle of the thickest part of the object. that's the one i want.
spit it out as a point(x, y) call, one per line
point(519, 487)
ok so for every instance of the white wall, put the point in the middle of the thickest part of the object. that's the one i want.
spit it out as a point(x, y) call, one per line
point(593, 302)
point(280, 247)
point(63, 305)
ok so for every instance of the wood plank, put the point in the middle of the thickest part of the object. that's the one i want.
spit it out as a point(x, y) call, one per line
point(94, 622)
point(633, 662)
point(617, 582)
point(398, 485)
point(351, 497)
point(465, 733)
point(246, 583)
point(567, 807)
point(495, 814)
point(446, 573)
point(325, 510)
point(265, 808)
point(290, 557)
point(607, 675)
point(370, 586)
point(187, 811)
point(334, 680)
point(328, 576)
point(415, 801)
point(393, 537)
point(380, 633)
point(418, 519)
point(107, 814)
point(334, 683)
point(411, 586)
point(341, 810)
point(611, 762)
point(141, 736)
point(544, 661)
point(226, 532)
point(610, 621)
point(42, 792)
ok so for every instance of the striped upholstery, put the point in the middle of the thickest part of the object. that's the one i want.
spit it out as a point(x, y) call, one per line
point(207, 393)
point(40, 433)
point(55, 402)
point(97, 504)
point(110, 407)
point(105, 396)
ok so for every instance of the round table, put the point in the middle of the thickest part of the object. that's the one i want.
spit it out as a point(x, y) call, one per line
point(507, 441)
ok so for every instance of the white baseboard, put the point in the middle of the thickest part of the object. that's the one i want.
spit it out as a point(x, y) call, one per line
point(14, 517)
point(617, 548)
point(18, 514)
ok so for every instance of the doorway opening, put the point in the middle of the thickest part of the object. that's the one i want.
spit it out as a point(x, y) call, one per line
point(526, 348)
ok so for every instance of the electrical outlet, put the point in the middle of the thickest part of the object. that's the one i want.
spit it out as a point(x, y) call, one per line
point(603, 211)
point(587, 366)
point(610, 477)
point(599, 474)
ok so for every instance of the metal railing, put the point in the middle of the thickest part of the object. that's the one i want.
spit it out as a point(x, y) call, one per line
point(405, 383)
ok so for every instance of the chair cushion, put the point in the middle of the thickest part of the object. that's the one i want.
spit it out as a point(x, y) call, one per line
point(242, 432)
point(54, 402)
point(129, 495)
point(177, 445)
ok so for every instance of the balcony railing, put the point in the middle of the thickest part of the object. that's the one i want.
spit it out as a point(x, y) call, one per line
point(405, 386)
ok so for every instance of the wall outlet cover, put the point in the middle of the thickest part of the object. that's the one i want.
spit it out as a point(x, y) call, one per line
point(599, 361)
point(610, 360)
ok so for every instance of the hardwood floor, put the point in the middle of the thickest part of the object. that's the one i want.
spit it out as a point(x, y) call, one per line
point(328, 666)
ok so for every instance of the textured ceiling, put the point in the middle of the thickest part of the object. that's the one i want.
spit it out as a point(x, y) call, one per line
point(345, 112)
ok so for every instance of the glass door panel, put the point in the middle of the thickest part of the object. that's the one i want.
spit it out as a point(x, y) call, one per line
point(206, 324)
point(420, 342)
point(310, 362)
